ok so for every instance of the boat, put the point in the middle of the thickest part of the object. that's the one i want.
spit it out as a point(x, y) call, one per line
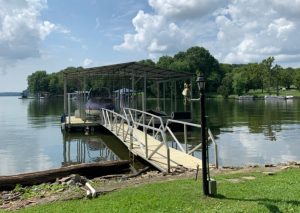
point(289, 97)
point(98, 100)
point(94, 105)
point(245, 97)
point(275, 97)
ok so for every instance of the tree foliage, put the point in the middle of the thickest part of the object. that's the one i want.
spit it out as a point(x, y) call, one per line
point(224, 79)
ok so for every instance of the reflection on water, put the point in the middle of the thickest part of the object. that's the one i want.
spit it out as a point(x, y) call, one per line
point(255, 132)
point(86, 149)
point(247, 132)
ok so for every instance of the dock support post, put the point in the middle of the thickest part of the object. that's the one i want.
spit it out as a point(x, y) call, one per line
point(65, 94)
point(131, 138)
point(175, 90)
point(185, 138)
point(133, 92)
point(168, 159)
point(171, 86)
point(145, 93)
point(157, 97)
point(146, 143)
point(164, 90)
point(191, 95)
point(69, 109)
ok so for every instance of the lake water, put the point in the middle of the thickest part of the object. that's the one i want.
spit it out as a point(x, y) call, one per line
point(247, 133)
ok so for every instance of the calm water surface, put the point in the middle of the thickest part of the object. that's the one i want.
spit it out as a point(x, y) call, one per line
point(247, 133)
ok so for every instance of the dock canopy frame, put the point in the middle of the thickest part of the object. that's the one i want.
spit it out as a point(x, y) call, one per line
point(133, 71)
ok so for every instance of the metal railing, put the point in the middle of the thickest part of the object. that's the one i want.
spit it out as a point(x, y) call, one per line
point(136, 119)
point(115, 123)
point(150, 125)
point(186, 149)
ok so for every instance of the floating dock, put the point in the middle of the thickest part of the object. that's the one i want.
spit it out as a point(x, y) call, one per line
point(72, 122)
point(144, 138)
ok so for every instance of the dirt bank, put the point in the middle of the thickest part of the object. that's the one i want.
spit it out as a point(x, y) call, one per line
point(67, 189)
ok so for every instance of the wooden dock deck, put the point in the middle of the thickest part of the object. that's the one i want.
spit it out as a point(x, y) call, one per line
point(159, 158)
point(74, 122)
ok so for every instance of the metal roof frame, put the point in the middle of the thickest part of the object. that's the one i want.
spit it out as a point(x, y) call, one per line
point(131, 69)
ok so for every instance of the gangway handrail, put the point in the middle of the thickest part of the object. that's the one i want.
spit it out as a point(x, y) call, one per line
point(115, 121)
point(185, 124)
point(109, 122)
point(138, 119)
point(142, 117)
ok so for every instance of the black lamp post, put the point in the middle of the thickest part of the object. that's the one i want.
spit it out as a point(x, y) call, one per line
point(201, 86)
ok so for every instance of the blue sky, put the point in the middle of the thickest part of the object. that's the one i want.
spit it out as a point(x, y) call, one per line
point(52, 35)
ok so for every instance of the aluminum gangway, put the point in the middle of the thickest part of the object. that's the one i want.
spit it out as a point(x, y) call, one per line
point(145, 135)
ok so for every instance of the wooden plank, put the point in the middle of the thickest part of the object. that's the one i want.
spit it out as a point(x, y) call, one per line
point(78, 122)
point(159, 159)
point(89, 170)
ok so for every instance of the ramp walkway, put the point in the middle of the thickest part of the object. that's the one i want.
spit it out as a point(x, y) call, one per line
point(145, 135)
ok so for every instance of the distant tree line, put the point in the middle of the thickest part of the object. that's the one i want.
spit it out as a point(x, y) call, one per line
point(224, 79)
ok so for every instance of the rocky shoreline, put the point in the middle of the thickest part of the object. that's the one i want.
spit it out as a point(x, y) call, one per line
point(74, 186)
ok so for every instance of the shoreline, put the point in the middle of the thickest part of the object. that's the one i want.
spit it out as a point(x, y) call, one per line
point(22, 197)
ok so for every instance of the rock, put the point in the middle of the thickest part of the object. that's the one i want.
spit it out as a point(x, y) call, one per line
point(285, 167)
point(71, 183)
point(291, 163)
point(76, 178)
point(249, 178)
point(64, 179)
point(60, 190)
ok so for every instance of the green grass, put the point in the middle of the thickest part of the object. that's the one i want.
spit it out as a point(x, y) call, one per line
point(266, 193)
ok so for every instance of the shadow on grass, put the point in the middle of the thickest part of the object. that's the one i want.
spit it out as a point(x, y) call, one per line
point(268, 203)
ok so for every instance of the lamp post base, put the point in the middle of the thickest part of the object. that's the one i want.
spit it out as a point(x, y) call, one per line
point(212, 187)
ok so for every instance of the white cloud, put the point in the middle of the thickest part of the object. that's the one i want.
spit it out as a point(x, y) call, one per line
point(252, 30)
point(184, 8)
point(235, 31)
point(157, 34)
point(21, 30)
point(87, 62)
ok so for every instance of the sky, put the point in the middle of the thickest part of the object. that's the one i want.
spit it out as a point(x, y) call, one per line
point(55, 34)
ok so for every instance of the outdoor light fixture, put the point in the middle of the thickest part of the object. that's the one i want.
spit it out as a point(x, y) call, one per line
point(201, 86)
point(201, 83)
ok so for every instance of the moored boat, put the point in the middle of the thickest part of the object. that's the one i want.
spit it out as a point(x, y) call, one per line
point(245, 97)
point(94, 105)
point(275, 97)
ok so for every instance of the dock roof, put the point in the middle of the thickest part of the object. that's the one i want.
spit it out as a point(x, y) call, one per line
point(131, 69)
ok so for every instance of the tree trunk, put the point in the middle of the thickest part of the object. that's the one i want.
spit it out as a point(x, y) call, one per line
point(88, 170)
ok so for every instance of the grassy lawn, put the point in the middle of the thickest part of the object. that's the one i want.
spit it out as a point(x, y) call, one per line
point(251, 192)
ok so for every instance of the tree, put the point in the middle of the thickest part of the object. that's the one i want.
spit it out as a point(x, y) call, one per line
point(165, 62)
point(240, 81)
point(198, 58)
point(297, 78)
point(226, 86)
point(276, 77)
point(38, 82)
point(266, 65)
point(286, 77)
point(147, 62)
